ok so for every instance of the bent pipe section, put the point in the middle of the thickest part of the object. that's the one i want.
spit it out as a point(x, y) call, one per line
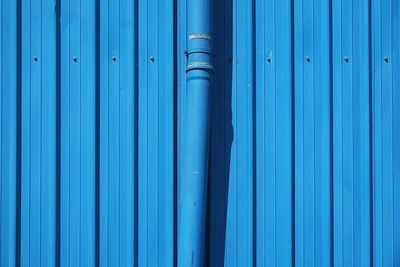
point(199, 74)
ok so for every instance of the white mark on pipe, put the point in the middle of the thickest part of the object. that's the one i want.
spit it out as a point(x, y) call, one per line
point(200, 36)
point(200, 64)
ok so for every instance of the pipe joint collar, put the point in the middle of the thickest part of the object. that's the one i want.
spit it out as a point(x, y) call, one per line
point(200, 43)
point(200, 61)
point(199, 65)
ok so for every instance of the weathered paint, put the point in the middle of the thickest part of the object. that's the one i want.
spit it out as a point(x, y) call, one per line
point(304, 165)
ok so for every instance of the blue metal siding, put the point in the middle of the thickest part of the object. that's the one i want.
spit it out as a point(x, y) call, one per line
point(77, 122)
point(385, 123)
point(313, 133)
point(156, 233)
point(274, 128)
point(351, 134)
point(8, 132)
point(118, 82)
point(304, 165)
point(38, 133)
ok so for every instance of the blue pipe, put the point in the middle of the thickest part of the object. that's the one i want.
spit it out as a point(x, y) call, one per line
point(199, 74)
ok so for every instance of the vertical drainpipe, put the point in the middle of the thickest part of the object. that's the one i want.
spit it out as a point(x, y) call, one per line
point(196, 133)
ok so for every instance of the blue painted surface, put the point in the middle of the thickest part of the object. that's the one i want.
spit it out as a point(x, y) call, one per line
point(38, 133)
point(304, 160)
point(8, 133)
point(77, 36)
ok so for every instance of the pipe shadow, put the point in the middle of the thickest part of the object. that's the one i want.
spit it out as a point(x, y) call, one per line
point(222, 135)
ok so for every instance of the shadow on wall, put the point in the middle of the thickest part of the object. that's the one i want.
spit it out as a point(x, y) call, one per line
point(222, 135)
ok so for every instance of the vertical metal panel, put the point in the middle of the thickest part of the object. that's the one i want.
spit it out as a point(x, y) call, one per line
point(351, 134)
point(239, 233)
point(156, 141)
point(274, 127)
point(304, 162)
point(118, 105)
point(313, 150)
point(385, 123)
point(8, 131)
point(78, 132)
point(38, 133)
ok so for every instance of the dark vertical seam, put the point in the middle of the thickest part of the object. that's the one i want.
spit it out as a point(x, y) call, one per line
point(254, 128)
point(381, 126)
point(235, 118)
point(157, 141)
point(175, 131)
point(313, 56)
point(293, 137)
point(80, 135)
point(393, 148)
point(119, 132)
point(69, 132)
point(1, 100)
point(331, 132)
point(58, 131)
point(353, 130)
point(146, 119)
point(263, 135)
point(41, 133)
point(30, 135)
point(97, 135)
point(275, 131)
point(370, 118)
point(18, 139)
point(108, 131)
point(341, 138)
point(136, 130)
point(303, 238)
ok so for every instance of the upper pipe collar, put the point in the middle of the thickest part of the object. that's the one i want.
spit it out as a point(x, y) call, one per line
point(199, 43)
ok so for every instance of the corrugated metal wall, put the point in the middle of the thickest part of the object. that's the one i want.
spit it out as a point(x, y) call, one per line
point(305, 137)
